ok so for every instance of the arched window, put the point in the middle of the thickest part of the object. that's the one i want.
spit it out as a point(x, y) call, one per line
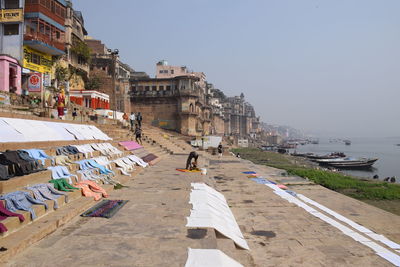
point(191, 108)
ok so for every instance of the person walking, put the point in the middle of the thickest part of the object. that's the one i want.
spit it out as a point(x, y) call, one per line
point(139, 119)
point(138, 134)
point(132, 119)
point(220, 150)
point(74, 114)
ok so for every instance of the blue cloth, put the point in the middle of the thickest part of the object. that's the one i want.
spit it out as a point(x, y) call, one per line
point(262, 181)
point(21, 200)
point(45, 192)
point(59, 172)
point(259, 180)
point(249, 172)
point(88, 164)
point(291, 192)
point(37, 154)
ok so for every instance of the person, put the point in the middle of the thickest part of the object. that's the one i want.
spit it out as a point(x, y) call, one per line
point(138, 134)
point(74, 114)
point(60, 104)
point(189, 164)
point(132, 119)
point(238, 155)
point(139, 119)
point(220, 150)
point(125, 117)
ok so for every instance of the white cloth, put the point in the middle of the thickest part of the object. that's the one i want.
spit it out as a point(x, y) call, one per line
point(209, 258)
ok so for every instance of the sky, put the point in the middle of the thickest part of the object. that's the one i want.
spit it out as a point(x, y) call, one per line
point(331, 68)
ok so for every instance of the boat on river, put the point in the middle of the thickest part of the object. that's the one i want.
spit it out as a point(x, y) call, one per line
point(334, 155)
point(349, 163)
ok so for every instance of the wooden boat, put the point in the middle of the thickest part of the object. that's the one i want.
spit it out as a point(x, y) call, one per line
point(350, 163)
point(334, 155)
point(347, 142)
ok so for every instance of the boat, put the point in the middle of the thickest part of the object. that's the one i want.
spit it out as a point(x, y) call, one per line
point(350, 163)
point(347, 142)
point(334, 155)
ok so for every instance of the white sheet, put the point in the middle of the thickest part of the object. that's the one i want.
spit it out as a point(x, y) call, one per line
point(20, 130)
point(209, 258)
point(210, 210)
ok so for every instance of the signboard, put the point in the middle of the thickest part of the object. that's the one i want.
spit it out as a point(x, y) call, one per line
point(11, 15)
point(37, 61)
point(35, 82)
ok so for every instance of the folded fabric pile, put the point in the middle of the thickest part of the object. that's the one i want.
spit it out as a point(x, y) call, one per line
point(67, 150)
point(106, 149)
point(85, 149)
point(62, 160)
point(59, 172)
point(20, 200)
point(88, 164)
point(37, 154)
point(4, 214)
point(45, 192)
point(91, 189)
point(17, 163)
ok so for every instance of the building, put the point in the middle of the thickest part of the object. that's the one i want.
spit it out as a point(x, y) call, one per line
point(77, 51)
point(44, 42)
point(112, 74)
point(90, 99)
point(172, 101)
point(11, 40)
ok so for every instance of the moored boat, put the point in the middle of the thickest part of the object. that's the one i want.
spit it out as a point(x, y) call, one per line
point(354, 163)
point(334, 155)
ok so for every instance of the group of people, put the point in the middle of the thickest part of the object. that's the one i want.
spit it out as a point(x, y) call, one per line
point(135, 121)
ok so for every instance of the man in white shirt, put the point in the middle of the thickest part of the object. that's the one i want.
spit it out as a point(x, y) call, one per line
point(132, 119)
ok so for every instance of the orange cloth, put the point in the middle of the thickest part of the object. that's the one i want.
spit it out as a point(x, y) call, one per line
point(185, 170)
point(87, 192)
point(92, 187)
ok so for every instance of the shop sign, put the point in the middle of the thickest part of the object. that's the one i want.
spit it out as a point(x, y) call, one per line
point(11, 15)
point(35, 82)
point(46, 80)
point(37, 61)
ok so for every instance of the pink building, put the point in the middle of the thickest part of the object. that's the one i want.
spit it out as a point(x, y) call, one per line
point(10, 75)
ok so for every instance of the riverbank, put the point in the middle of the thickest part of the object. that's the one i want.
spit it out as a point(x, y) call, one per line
point(380, 194)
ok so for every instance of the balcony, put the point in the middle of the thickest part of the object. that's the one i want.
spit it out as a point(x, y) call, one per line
point(44, 43)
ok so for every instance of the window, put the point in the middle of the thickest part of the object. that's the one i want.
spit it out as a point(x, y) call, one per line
point(10, 4)
point(58, 35)
point(168, 88)
point(154, 88)
point(147, 88)
point(35, 59)
point(172, 71)
point(161, 71)
point(161, 87)
point(11, 29)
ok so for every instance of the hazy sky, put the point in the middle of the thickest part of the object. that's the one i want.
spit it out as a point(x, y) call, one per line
point(329, 67)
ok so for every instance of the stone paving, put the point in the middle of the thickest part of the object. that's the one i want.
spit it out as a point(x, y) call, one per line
point(150, 230)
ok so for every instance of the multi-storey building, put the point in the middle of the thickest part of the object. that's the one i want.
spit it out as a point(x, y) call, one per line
point(241, 120)
point(11, 39)
point(112, 74)
point(175, 101)
point(44, 41)
point(77, 52)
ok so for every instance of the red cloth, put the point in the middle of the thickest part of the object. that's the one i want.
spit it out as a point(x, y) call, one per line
point(4, 214)
point(60, 111)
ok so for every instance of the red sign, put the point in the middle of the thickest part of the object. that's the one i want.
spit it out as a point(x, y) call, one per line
point(35, 82)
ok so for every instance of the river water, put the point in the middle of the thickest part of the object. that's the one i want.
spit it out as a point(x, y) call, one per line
point(385, 149)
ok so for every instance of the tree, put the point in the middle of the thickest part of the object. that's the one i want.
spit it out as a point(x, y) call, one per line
point(93, 83)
